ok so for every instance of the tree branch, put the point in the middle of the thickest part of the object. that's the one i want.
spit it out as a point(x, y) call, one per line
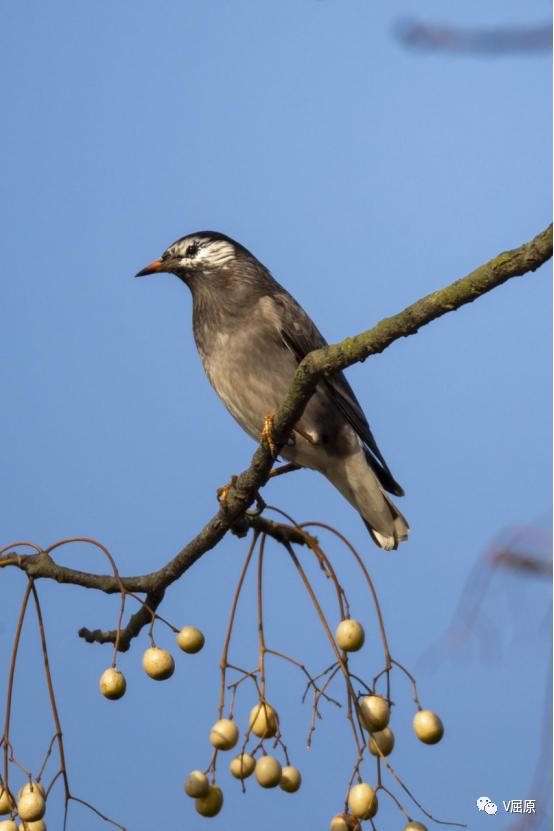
point(319, 364)
point(136, 623)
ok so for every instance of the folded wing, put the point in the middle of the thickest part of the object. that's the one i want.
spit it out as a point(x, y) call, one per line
point(301, 336)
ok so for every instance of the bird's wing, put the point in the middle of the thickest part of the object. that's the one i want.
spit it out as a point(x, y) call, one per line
point(301, 336)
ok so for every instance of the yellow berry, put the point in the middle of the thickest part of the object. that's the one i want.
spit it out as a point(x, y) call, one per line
point(39, 825)
point(264, 721)
point(30, 787)
point(158, 663)
point(6, 801)
point(8, 825)
point(374, 712)
point(224, 734)
point(290, 779)
point(112, 684)
point(210, 805)
point(242, 766)
point(415, 826)
point(350, 635)
point(428, 727)
point(268, 771)
point(382, 740)
point(190, 639)
point(362, 801)
point(344, 822)
point(31, 805)
point(196, 784)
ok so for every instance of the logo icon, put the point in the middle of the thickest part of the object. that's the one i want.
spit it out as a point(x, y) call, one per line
point(484, 803)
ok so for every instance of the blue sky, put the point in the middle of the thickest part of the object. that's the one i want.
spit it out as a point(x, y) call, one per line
point(363, 175)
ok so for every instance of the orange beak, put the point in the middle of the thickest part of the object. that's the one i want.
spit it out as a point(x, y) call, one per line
point(154, 267)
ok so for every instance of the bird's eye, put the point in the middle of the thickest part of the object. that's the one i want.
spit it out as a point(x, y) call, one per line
point(192, 250)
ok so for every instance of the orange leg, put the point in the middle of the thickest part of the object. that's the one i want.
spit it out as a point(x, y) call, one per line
point(223, 492)
point(277, 471)
point(266, 434)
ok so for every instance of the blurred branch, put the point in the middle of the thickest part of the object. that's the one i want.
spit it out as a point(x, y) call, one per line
point(527, 553)
point(500, 40)
point(521, 562)
point(243, 490)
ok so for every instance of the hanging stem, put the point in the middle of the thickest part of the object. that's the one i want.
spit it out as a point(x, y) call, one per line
point(55, 715)
point(340, 659)
point(224, 657)
point(322, 558)
point(368, 580)
point(9, 694)
point(261, 639)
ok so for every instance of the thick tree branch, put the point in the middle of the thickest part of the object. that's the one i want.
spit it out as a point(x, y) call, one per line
point(281, 533)
point(318, 364)
point(135, 625)
point(325, 362)
point(43, 565)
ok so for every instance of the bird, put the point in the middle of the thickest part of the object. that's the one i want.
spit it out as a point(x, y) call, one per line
point(251, 334)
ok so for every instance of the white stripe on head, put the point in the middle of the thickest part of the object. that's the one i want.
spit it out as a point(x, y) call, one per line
point(215, 253)
point(202, 252)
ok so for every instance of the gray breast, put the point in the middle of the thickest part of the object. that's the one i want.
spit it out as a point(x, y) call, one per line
point(247, 364)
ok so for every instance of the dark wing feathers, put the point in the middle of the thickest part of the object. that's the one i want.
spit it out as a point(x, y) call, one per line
point(301, 336)
point(344, 398)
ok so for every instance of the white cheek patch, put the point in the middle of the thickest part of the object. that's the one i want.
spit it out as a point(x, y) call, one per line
point(215, 254)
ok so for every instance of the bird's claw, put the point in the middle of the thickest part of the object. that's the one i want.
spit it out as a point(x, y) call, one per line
point(222, 493)
point(288, 468)
point(266, 434)
point(260, 507)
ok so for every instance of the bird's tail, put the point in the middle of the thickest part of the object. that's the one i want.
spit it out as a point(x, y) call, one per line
point(357, 482)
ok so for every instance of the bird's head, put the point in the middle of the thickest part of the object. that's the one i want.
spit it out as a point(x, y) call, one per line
point(194, 254)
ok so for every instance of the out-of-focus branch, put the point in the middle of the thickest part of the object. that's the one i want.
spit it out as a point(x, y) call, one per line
point(525, 563)
point(498, 40)
point(319, 364)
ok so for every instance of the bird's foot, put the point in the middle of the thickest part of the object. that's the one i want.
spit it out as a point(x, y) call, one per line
point(260, 506)
point(266, 434)
point(222, 493)
point(278, 471)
